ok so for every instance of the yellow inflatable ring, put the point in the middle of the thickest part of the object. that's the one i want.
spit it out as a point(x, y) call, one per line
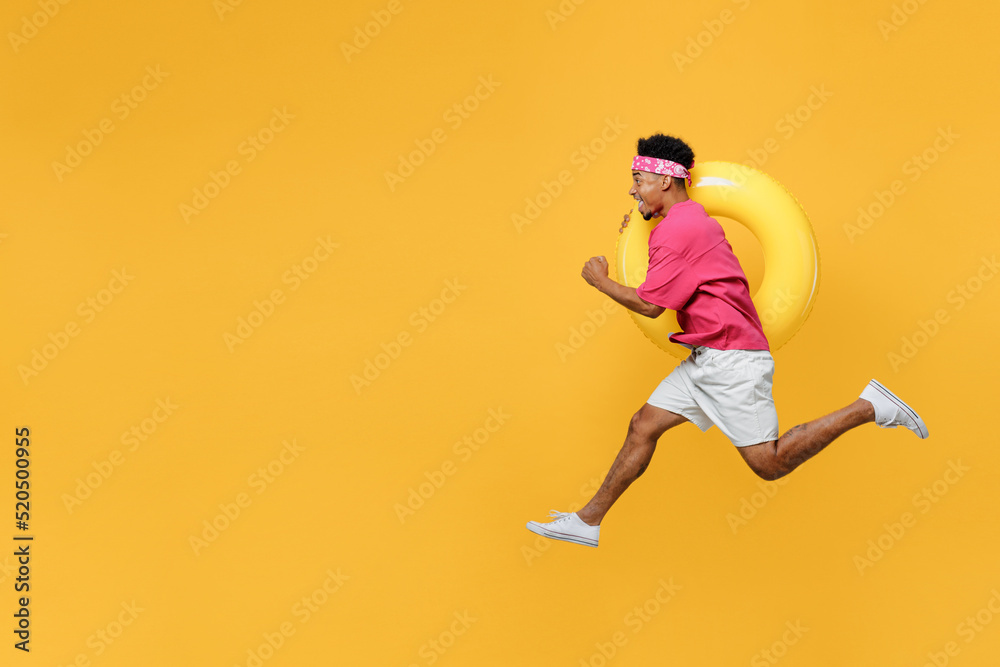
point(773, 215)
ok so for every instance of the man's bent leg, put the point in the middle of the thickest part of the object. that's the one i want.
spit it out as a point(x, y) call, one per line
point(777, 458)
point(646, 427)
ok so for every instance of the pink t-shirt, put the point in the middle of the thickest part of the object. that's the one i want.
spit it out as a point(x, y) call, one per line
point(692, 270)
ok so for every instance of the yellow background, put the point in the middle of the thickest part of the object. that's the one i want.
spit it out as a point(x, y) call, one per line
point(364, 449)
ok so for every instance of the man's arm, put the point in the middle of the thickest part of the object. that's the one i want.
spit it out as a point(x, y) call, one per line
point(595, 272)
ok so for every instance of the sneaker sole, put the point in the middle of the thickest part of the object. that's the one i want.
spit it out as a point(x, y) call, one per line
point(565, 537)
point(921, 427)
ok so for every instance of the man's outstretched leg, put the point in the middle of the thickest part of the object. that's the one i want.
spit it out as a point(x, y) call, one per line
point(776, 458)
point(583, 527)
point(645, 429)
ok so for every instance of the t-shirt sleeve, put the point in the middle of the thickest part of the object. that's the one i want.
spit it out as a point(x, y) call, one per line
point(670, 280)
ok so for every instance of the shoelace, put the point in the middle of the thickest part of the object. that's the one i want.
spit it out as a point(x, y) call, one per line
point(556, 515)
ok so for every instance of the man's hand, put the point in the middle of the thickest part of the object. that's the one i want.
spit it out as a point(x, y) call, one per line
point(595, 271)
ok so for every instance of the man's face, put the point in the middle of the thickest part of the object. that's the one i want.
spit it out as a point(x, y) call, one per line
point(646, 189)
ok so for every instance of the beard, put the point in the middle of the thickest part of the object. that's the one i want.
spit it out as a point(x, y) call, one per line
point(647, 216)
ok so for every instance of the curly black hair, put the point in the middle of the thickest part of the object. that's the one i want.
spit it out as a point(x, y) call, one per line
point(667, 148)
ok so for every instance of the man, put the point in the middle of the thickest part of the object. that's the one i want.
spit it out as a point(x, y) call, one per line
point(726, 380)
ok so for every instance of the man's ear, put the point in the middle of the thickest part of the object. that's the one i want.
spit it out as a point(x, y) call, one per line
point(666, 181)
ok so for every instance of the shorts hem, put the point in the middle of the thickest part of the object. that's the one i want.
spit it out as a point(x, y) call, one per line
point(701, 427)
point(694, 420)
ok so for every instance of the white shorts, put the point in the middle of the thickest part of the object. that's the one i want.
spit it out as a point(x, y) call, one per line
point(728, 388)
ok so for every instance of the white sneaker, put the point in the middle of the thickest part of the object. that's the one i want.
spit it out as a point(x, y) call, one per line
point(568, 527)
point(891, 412)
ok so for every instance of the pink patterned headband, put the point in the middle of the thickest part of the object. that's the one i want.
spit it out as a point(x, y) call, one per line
point(658, 166)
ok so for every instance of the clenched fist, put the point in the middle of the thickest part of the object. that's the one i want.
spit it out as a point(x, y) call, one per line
point(595, 271)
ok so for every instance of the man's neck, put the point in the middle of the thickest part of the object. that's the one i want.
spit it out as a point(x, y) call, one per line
point(680, 197)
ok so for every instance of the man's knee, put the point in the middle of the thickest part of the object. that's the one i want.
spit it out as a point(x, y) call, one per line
point(642, 426)
point(763, 459)
point(768, 471)
point(649, 422)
